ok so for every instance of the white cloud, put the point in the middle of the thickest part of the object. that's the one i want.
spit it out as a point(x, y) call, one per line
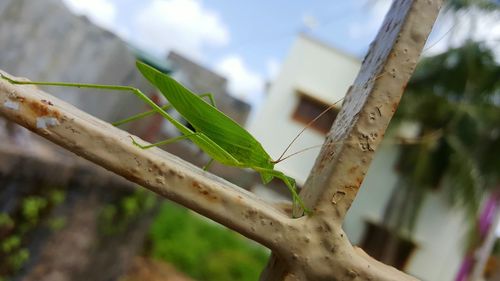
point(309, 21)
point(452, 30)
point(101, 12)
point(243, 82)
point(184, 25)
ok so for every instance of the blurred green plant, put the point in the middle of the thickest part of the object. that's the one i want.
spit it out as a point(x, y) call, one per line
point(56, 223)
point(18, 258)
point(454, 98)
point(496, 248)
point(32, 207)
point(9, 244)
point(487, 5)
point(57, 196)
point(6, 221)
point(33, 211)
point(116, 216)
point(203, 249)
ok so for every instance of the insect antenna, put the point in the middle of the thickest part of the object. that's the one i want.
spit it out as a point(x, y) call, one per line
point(432, 136)
point(454, 26)
point(298, 152)
point(282, 156)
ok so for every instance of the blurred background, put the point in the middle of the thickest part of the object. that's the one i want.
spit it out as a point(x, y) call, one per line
point(429, 204)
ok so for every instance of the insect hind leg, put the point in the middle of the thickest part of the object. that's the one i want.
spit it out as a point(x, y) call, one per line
point(290, 184)
point(141, 115)
point(164, 142)
point(209, 163)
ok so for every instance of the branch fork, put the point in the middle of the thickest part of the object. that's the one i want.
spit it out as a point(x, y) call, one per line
point(309, 248)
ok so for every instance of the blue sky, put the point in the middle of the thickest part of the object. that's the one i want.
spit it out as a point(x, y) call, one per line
point(243, 40)
point(246, 41)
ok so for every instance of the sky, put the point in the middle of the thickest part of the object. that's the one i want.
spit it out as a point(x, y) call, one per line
point(246, 41)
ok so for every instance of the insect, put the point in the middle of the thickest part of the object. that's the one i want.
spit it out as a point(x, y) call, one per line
point(220, 137)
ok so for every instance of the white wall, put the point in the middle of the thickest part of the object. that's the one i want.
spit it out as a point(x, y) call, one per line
point(441, 235)
point(317, 69)
point(439, 232)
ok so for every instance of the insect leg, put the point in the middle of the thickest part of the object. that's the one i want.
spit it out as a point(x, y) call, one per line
point(289, 182)
point(151, 112)
point(139, 116)
point(211, 98)
point(207, 166)
point(164, 142)
point(183, 129)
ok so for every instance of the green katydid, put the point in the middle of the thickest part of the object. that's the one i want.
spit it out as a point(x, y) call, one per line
point(217, 135)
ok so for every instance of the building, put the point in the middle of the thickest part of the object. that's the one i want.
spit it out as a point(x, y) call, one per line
point(59, 46)
point(314, 76)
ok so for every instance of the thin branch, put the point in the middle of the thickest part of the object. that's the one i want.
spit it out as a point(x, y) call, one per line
point(155, 169)
point(310, 248)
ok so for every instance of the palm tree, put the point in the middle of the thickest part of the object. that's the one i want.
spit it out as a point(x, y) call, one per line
point(455, 100)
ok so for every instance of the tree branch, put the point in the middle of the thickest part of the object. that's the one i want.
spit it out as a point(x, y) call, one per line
point(155, 169)
point(369, 106)
point(310, 248)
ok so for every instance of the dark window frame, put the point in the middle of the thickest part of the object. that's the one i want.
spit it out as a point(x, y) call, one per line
point(309, 107)
point(387, 246)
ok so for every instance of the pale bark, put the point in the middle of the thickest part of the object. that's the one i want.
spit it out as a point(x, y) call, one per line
point(309, 248)
point(153, 168)
point(344, 159)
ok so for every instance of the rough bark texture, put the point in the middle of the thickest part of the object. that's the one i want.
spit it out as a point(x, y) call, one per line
point(369, 106)
point(310, 248)
point(342, 164)
point(163, 173)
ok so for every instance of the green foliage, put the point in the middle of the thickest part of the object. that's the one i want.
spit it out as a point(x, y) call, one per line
point(15, 256)
point(32, 207)
point(17, 259)
point(30, 213)
point(466, 4)
point(11, 243)
point(56, 223)
point(6, 221)
point(454, 99)
point(202, 249)
point(496, 248)
point(57, 196)
point(116, 216)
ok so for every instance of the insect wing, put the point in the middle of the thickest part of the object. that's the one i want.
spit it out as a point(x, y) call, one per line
point(209, 120)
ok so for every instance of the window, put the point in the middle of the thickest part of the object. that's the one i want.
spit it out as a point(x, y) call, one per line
point(386, 246)
point(309, 108)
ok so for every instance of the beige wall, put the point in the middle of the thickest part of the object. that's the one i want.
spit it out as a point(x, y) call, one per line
point(440, 230)
point(317, 69)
